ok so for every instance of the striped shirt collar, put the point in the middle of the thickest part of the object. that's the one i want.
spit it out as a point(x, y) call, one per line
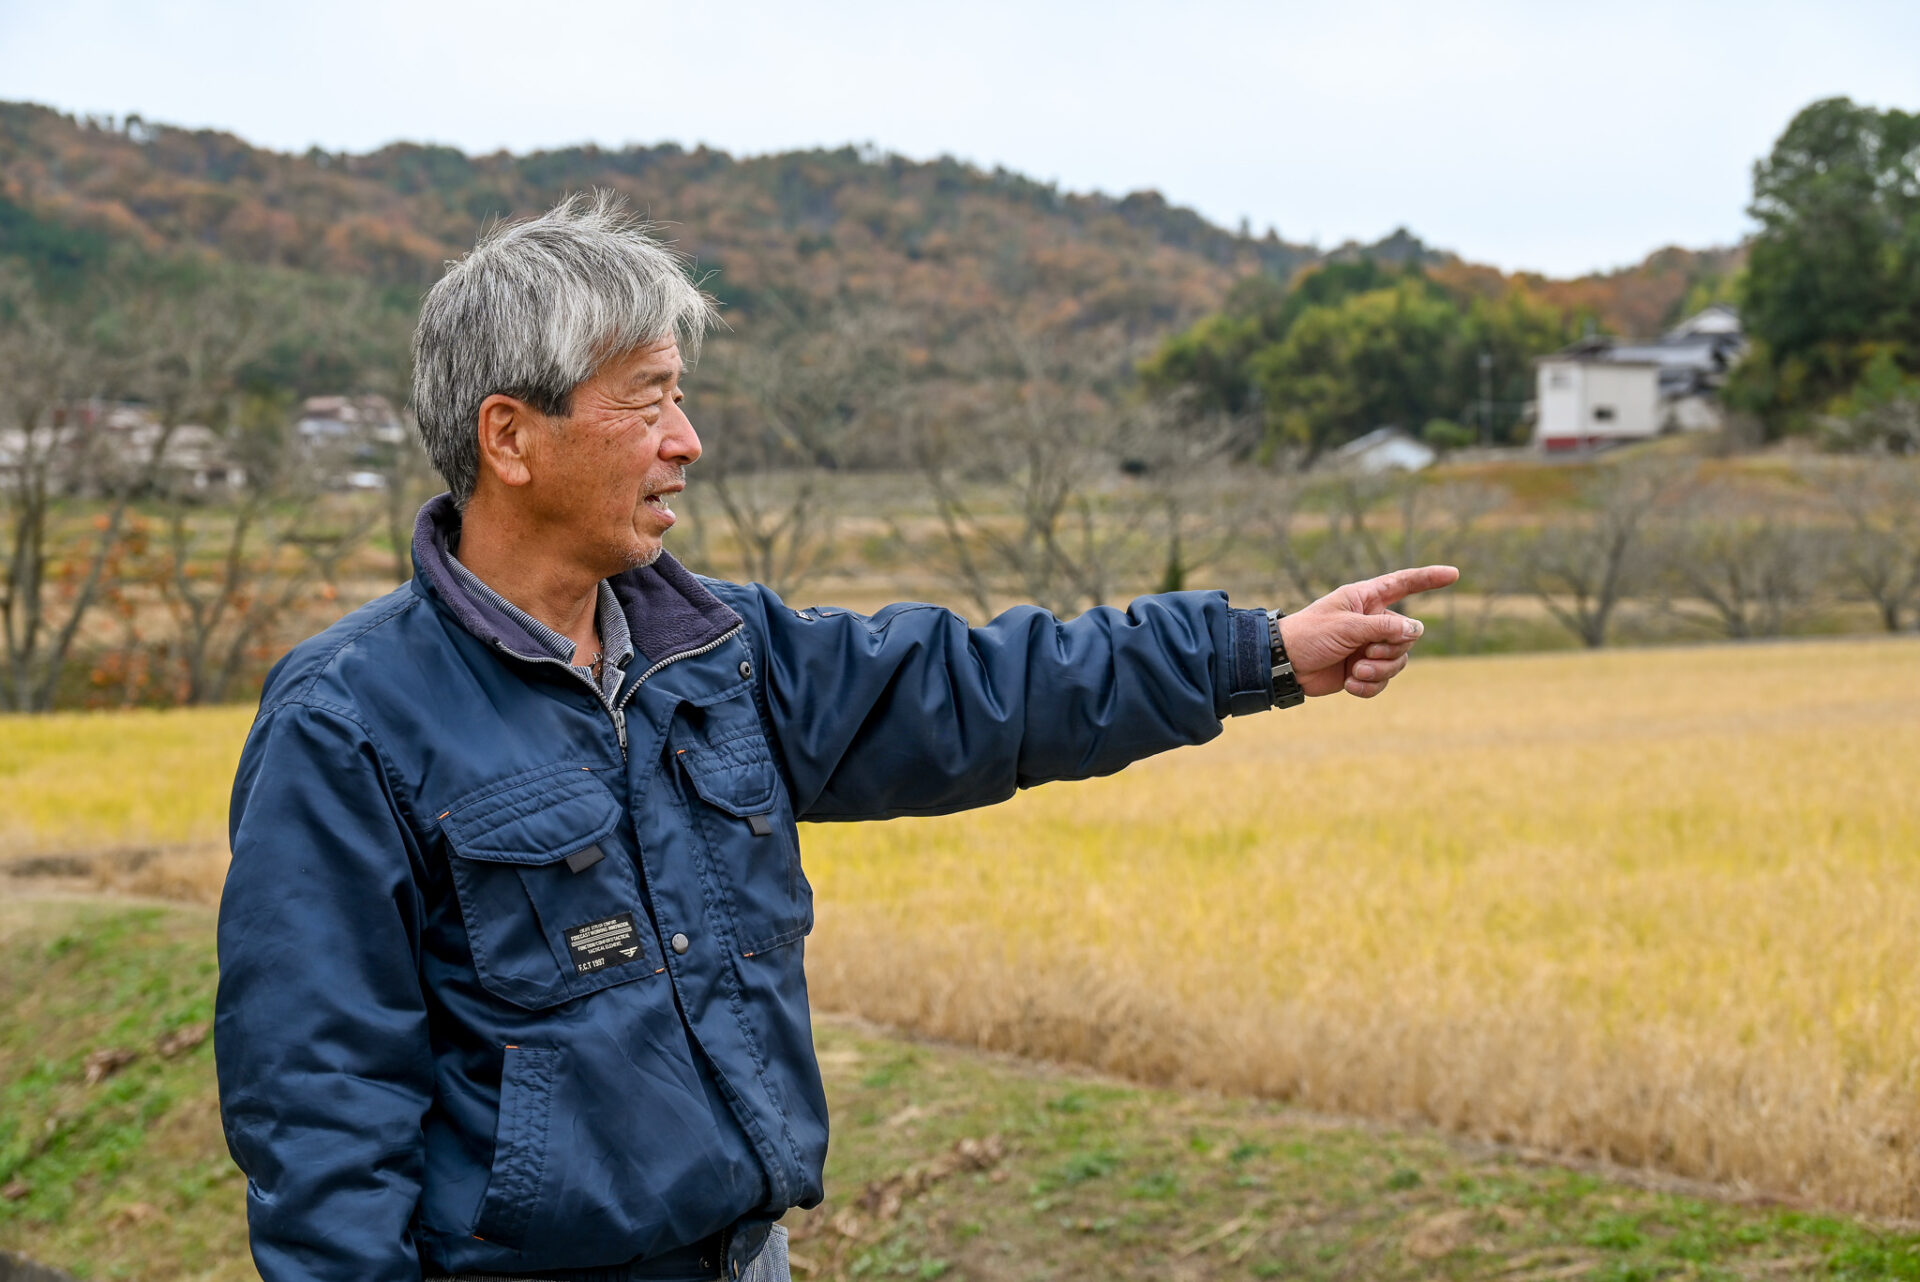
point(616, 638)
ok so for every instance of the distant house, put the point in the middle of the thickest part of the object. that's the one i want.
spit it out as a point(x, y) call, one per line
point(97, 447)
point(345, 437)
point(349, 420)
point(1385, 449)
point(1603, 391)
point(196, 461)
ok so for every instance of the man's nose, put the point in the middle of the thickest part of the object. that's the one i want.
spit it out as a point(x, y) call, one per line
point(681, 444)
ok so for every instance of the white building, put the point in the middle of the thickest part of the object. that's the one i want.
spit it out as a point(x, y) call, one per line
point(1588, 399)
point(1385, 449)
point(1603, 391)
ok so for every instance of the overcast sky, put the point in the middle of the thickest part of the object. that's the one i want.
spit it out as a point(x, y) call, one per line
point(1558, 138)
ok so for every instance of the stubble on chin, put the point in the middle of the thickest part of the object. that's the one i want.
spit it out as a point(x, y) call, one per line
point(641, 560)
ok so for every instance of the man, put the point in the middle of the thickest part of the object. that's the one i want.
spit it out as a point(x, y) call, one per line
point(511, 948)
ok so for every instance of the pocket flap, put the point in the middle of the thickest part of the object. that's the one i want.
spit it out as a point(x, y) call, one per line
point(540, 818)
point(735, 775)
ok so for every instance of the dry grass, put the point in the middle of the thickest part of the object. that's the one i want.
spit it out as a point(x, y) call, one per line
point(133, 803)
point(1656, 907)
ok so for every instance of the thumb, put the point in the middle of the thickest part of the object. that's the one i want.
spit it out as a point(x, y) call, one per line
point(1387, 627)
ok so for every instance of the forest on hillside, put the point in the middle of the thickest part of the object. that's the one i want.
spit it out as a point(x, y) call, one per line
point(779, 238)
point(939, 280)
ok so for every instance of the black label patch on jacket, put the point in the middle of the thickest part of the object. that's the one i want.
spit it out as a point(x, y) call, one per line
point(600, 944)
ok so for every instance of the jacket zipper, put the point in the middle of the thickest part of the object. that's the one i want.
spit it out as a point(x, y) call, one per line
point(617, 712)
point(618, 716)
point(708, 648)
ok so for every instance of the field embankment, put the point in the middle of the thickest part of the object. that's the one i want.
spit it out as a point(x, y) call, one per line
point(945, 1163)
point(1654, 907)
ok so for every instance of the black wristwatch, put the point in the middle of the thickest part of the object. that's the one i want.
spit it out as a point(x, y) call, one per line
point(1287, 692)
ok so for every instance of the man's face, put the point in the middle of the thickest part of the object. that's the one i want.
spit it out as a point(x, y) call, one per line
point(611, 469)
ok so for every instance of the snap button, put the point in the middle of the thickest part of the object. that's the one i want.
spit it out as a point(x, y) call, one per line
point(681, 943)
point(746, 669)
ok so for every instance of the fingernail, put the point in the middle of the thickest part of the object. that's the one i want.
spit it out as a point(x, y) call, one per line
point(1415, 628)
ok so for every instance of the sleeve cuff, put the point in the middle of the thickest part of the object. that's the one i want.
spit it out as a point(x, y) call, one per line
point(1252, 664)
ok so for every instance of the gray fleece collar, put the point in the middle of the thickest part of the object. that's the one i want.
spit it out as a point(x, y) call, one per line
point(668, 610)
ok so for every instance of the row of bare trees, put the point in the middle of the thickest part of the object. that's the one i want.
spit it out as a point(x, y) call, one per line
point(1028, 468)
point(1741, 555)
point(1056, 487)
point(1041, 477)
point(1050, 480)
point(1729, 552)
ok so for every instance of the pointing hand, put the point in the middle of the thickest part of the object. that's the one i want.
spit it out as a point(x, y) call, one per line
point(1350, 640)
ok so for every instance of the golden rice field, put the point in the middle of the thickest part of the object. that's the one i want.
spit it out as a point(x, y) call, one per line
point(1661, 907)
point(88, 780)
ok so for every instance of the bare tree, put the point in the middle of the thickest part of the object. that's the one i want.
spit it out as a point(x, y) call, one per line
point(1441, 523)
point(1879, 497)
point(178, 349)
point(1018, 483)
point(1422, 521)
point(786, 413)
point(1744, 565)
point(1889, 425)
point(1582, 568)
point(364, 343)
point(229, 576)
point(50, 357)
point(1273, 514)
point(1177, 456)
point(408, 481)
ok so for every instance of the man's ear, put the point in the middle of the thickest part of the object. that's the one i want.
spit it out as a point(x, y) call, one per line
point(506, 426)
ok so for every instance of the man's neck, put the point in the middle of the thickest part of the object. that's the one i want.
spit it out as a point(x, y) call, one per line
point(519, 565)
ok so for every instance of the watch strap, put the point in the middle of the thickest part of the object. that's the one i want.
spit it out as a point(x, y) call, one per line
point(1287, 690)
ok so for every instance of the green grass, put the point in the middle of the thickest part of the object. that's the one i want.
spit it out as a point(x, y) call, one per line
point(125, 1177)
point(1105, 1180)
point(946, 1163)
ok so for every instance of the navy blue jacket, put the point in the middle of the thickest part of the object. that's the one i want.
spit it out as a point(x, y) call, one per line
point(511, 981)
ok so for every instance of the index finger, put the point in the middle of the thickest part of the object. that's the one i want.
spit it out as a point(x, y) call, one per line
point(1399, 584)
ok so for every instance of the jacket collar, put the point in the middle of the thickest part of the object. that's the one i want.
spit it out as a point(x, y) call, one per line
point(669, 611)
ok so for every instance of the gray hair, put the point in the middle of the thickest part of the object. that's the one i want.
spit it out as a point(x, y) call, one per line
point(534, 311)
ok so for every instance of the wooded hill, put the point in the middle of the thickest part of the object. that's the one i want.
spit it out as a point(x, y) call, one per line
point(785, 238)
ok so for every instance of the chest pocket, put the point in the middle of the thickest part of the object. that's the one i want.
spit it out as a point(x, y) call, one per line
point(551, 912)
point(745, 818)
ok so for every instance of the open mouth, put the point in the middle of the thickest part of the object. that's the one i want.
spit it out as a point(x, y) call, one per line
point(658, 503)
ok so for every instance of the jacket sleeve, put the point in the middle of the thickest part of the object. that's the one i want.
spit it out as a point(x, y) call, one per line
point(320, 1030)
point(913, 712)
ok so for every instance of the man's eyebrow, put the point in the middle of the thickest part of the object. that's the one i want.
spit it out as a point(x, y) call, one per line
point(656, 377)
